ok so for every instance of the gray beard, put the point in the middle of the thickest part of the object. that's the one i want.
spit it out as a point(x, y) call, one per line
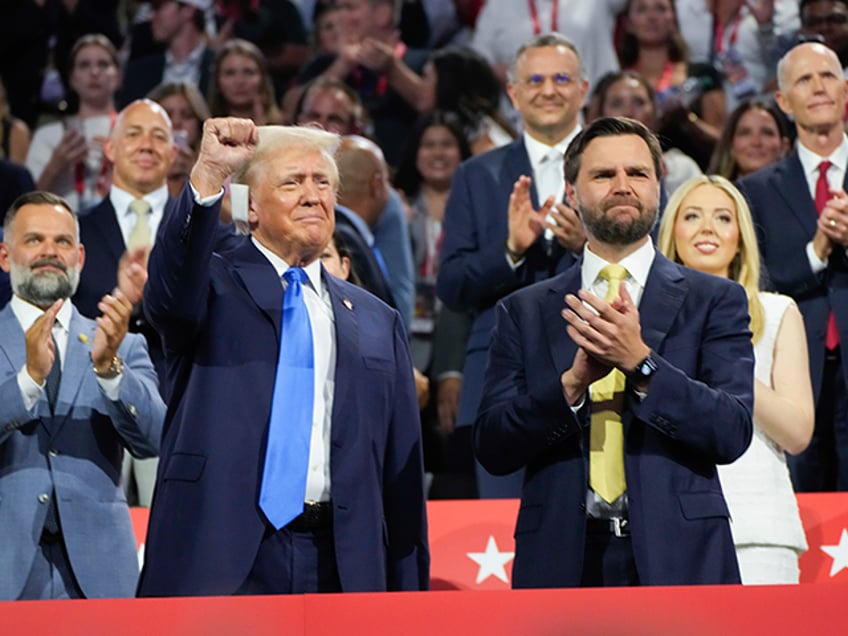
point(45, 288)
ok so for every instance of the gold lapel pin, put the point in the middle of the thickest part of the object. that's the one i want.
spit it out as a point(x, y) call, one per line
point(346, 302)
point(83, 338)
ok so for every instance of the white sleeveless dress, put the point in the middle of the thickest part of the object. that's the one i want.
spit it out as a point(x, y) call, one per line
point(766, 524)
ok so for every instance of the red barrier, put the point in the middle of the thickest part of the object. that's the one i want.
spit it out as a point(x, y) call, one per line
point(471, 544)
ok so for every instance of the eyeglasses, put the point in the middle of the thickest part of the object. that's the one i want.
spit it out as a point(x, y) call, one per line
point(537, 80)
point(817, 22)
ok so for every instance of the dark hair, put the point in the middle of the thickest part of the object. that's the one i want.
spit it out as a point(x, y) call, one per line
point(343, 249)
point(628, 50)
point(606, 82)
point(195, 99)
point(36, 197)
point(407, 177)
point(609, 127)
point(722, 161)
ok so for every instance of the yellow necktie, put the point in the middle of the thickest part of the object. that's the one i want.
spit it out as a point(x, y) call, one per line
point(606, 447)
point(140, 234)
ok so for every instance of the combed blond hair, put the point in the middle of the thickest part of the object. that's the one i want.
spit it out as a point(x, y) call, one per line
point(745, 266)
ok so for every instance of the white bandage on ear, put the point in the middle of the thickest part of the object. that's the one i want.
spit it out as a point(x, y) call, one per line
point(238, 207)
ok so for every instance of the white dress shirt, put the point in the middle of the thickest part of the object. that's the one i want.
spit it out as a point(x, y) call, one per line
point(322, 321)
point(638, 265)
point(121, 200)
point(835, 179)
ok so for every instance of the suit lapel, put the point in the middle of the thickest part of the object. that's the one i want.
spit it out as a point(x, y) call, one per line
point(348, 361)
point(560, 346)
point(661, 301)
point(789, 182)
point(106, 230)
point(260, 280)
point(516, 163)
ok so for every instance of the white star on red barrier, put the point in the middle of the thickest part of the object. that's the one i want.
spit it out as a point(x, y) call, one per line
point(492, 562)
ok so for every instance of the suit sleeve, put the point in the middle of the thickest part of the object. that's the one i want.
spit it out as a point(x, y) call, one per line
point(404, 505)
point(139, 412)
point(709, 414)
point(518, 422)
point(474, 272)
point(178, 271)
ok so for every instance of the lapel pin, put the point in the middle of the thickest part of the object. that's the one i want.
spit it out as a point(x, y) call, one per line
point(83, 338)
point(346, 302)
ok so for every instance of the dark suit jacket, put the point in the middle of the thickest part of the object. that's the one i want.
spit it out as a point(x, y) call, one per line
point(219, 315)
point(785, 218)
point(697, 414)
point(104, 246)
point(474, 273)
point(363, 260)
point(144, 74)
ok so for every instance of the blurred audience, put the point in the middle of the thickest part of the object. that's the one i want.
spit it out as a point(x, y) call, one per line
point(15, 135)
point(66, 157)
point(756, 135)
point(241, 85)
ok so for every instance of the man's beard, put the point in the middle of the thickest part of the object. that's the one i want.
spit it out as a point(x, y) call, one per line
point(613, 231)
point(43, 288)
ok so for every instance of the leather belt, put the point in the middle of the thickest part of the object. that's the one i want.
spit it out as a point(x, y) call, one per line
point(616, 526)
point(315, 515)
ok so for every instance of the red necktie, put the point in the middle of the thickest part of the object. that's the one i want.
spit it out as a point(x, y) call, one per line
point(831, 339)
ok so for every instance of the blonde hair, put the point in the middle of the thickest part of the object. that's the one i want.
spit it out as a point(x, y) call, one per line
point(274, 140)
point(745, 266)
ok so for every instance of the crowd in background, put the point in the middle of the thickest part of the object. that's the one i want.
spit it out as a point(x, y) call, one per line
point(416, 88)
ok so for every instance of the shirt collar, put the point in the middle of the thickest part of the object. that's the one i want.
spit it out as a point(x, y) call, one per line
point(536, 150)
point(313, 270)
point(192, 58)
point(810, 161)
point(637, 264)
point(121, 199)
point(27, 313)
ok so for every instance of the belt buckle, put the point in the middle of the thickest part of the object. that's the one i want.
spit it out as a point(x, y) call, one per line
point(619, 526)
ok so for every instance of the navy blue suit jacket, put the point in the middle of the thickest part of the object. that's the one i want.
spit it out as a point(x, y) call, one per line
point(785, 218)
point(219, 315)
point(697, 413)
point(104, 246)
point(474, 273)
point(145, 73)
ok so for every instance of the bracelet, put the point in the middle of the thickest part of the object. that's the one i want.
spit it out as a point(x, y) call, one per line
point(116, 367)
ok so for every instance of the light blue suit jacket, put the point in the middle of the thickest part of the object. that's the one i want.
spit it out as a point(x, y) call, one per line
point(77, 453)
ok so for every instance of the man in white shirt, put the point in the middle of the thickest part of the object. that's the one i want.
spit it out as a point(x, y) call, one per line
point(74, 394)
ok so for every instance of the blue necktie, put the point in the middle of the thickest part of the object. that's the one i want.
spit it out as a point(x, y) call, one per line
point(378, 256)
point(287, 454)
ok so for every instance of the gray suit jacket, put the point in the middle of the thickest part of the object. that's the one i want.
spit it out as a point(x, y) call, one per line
point(77, 453)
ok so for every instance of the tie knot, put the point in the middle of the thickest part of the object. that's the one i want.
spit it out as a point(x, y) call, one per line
point(293, 274)
point(552, 155)
point(823, 168)
point(140, 207)
point(613, 274)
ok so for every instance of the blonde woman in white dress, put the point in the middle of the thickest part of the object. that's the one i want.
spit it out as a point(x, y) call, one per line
point(707, 226)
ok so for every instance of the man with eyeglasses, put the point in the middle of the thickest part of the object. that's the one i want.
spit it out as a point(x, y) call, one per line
point(828, 19)
point(506, 224)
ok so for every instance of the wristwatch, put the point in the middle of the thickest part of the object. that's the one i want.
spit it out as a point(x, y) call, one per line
point(643, 371)
point(115, 369)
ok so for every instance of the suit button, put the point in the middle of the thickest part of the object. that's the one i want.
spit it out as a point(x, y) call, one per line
point(43, 498)
point(52, 452)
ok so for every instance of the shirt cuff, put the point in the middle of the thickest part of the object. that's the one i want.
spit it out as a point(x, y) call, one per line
point(206, 202)
point(30, 389)
point(576, 407)
point(111, 387)
point(816, 264)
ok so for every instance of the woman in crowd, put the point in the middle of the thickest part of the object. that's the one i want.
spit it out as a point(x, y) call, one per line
point(15, 135)
point(628, 94)
point(242, 86)
point(756, 135)
point(691, 99)
point(66, 157)
point(187, 110)
point(707, 225)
